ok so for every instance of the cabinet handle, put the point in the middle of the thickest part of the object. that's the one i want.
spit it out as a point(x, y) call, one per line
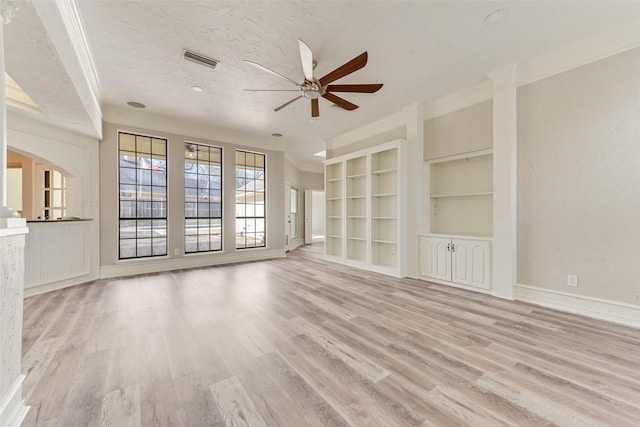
point(448, 247)
point(453, 247)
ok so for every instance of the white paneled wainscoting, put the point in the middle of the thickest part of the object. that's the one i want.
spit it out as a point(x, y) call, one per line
point(58, 254)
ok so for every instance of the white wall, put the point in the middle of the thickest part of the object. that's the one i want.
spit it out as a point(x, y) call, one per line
point(463, 131)
point(77, 156)
point(14, 188)
point(579, 180)
point(319, 211)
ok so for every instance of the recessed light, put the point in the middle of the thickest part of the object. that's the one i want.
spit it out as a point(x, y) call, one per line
point(276, 134)
point(136, 104)
point(196, 88)
point(311, 119)
point(496, 16)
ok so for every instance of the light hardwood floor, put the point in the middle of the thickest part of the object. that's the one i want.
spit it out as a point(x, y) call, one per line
point(304, 342)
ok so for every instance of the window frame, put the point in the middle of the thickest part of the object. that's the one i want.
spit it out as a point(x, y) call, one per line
point(245, 217)
point(197, 218)
point(49, 190)
point(137, 218)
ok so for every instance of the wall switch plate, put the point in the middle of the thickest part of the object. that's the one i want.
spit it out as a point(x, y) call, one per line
point(572, 280)
point(176, 251)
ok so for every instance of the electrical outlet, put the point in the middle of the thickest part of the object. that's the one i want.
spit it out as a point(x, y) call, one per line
point(176, 251)
point(572, 280)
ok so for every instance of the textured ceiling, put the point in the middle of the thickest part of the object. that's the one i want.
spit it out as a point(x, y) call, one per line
point(420, 50)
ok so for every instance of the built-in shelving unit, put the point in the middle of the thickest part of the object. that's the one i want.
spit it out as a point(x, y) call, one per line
point(334, 192)
point(356, 224)
point(384, 209)
point(373, 198)
point(462, 196)
point(457, 250)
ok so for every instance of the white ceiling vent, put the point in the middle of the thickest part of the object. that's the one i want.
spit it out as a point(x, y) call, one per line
point(199, 59)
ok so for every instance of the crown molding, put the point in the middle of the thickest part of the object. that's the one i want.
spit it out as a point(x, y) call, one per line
point(394, 121)
point(579, 53)
point(132, 117)
point(75, 28)
point(480, 92)
point(63, 24)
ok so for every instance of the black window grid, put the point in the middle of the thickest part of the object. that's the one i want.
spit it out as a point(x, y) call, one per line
point(203, 198)
point(142, 197)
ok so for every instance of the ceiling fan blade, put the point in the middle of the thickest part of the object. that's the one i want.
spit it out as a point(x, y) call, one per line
point(287, 103)
point(340, 102)
point(306, 55)
point(354, 65)
point(315, 109)
point(366, 88)
point(263, 68)
point(271, 90)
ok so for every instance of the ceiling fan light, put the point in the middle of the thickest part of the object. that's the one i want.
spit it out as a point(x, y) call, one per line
point(311, 94)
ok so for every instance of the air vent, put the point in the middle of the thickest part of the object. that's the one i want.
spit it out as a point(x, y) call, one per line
point(199, 59)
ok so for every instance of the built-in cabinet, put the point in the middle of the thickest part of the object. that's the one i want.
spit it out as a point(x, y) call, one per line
point(462, 261)
point(365, 196)
point(457, 248)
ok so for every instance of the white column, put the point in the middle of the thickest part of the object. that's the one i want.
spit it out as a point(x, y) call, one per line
point(8, 217)
point(505, 138)
point(415, 193)
point(12, 241)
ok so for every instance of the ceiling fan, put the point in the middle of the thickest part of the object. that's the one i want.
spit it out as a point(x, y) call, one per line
point(313, 88)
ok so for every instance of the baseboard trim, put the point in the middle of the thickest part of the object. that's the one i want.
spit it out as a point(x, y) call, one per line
point(41, 288)
point(12, 407)
point(130, 268)
point(598, 308)
point(455, 285)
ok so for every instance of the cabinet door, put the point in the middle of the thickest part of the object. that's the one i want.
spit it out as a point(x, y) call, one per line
point(471, 263)
point(435, 257)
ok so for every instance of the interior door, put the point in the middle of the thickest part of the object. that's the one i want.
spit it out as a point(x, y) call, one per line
point(308, 217)
point(287, 215)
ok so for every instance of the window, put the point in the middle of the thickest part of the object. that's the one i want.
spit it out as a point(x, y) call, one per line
point(202, 198)
point(54, 194)
point(143, 196)
point(250, 200)
point(294, 213)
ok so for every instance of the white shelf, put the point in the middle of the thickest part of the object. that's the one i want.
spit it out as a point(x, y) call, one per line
point(385, 195)
point(356, 217)
point(356, 197)
point(334, 237)
point(333, 179)
point(384, 217)
point(334, 198)
point(462, 196)
point(359, 175)
point(386, 242)
point(357, 238)
point(384, 171)
point(444, 196)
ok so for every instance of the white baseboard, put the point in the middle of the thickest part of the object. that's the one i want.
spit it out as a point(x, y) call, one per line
point(12, 407)
point(149, 265)
point(40, 288)
point(613, 311)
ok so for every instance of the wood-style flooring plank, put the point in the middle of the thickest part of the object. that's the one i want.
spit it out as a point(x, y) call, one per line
point(304, 342)
point(235, 405)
